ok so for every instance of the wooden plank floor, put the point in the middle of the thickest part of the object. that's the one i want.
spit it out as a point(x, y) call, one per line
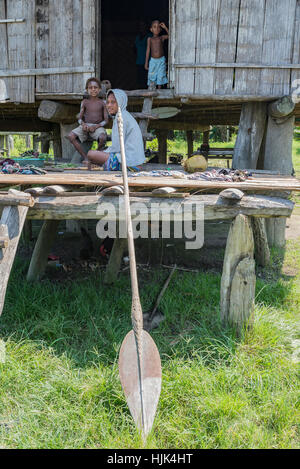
point(100, 178)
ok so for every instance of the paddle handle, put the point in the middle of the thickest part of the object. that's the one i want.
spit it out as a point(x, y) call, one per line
point(137, 315)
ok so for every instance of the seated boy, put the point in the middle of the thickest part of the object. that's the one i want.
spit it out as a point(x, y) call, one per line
point(110, 159)
point(157, 65)
point(92, 119)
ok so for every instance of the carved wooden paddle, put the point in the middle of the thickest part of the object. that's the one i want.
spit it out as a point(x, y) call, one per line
point(139, 360)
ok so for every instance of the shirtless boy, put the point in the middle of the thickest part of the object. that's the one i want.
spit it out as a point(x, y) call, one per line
point(157, 65)
point(92, 119)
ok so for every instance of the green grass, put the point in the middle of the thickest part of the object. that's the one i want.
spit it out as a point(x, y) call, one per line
point(60, 386)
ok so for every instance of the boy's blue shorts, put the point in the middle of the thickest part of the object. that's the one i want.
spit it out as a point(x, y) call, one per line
point(157, 71)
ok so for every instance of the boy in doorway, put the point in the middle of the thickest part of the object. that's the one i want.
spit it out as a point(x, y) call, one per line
point(92, 119)
point(157, 65)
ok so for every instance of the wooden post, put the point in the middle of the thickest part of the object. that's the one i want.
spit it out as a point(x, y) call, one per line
point(35, 143)
point(206, 137)
point(45, 142)
point(250, 135)
point(262, 251)
point(115, 260)
point(11, 225)
point(162, 146)
point(40, 254)
point(278, 156)
point(238, 277)
point(147, 106)
point(190, 142)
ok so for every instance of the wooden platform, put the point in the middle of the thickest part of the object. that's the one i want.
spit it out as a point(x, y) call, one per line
point(259, 182)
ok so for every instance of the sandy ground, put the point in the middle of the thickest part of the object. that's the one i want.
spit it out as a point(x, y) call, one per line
point(293, 224)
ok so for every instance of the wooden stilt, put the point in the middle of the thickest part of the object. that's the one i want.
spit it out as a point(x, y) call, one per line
point(190, 142)
point(11, 225)
point(115, 260)
point(206, 137)
point(162, 146)
point(40, 254)
point(238, 277)
point(250, 135)
point(278, 156)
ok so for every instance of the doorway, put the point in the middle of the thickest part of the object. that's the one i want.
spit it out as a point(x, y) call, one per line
point(119, 27)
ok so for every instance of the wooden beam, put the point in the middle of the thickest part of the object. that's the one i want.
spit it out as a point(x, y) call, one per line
point(88, 207)
point(292, 66)
point(52, 111)
point(281, 108)
point(190, 142)
point(44, 71)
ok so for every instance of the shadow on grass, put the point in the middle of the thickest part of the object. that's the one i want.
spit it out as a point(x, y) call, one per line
point(87, 321)
point(80, 317)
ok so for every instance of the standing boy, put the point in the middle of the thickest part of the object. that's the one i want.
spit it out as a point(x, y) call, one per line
point(157, 65)
point(92, 119)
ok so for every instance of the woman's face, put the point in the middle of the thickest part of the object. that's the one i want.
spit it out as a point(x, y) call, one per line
point(112, 105)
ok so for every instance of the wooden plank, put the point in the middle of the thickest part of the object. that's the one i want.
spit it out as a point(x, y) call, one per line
point(240, 65)
point(13, 218)
point(296, 49)
point(206, 44)
point(250, 38)
point(21, 49)
point(226, 50)
point(12, 20)
point(76, 208)
point(60, 43)
point(277, 45)
point(99, 178)
point(186, 34)
point(77, 55)
point(3, 42)
point(89, 36)
point(44, 71)
point(42, 44)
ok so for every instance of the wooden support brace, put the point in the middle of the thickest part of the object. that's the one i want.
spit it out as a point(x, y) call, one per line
point(238, 277)
point(40, 254)
point(115, 260)
point(11, 225)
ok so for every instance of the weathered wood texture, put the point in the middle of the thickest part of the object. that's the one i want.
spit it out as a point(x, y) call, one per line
point(89, 207)
point(55, 35)
point(245, 32)
point(262, 251)
point(40, 254)
point(238, 277)
point(115, 260)
point(18, 47)
point(11, 225)
point(250, 135)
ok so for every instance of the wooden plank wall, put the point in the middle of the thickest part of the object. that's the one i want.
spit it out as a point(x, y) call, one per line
point(17, 49)
point(68, 41)
point(235, 31)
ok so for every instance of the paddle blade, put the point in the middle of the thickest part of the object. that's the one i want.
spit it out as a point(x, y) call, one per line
point(142, 395)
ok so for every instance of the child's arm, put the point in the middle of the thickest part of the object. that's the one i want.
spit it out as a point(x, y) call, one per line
point(148, 53)
point(165, 36)
point(81, 116)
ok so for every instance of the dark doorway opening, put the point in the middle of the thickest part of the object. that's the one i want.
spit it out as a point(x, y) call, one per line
point(119, 27)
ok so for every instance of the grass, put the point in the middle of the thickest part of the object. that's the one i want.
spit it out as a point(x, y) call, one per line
point(60, 386)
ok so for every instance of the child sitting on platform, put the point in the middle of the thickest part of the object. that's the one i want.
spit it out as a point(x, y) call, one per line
point(157, 65)
point(92, 119)
point(110, 159)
